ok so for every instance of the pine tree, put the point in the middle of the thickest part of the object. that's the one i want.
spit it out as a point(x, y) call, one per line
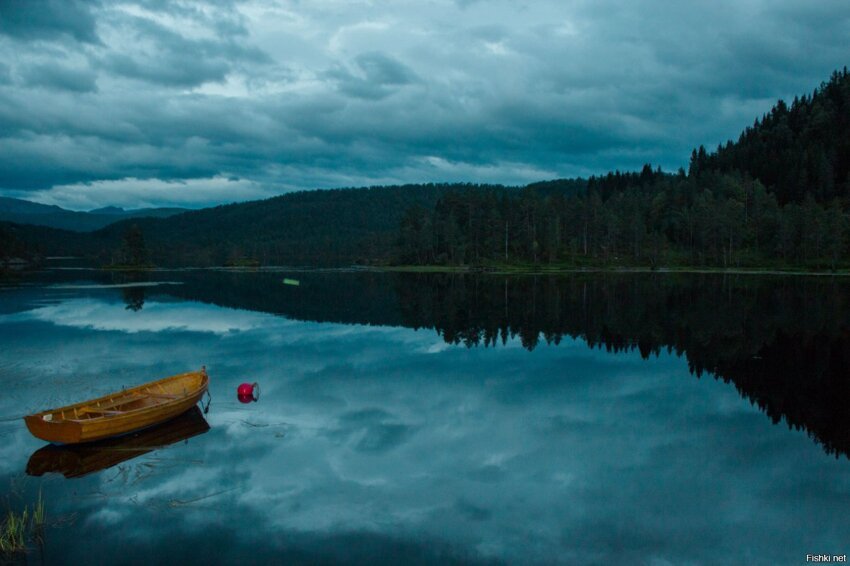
point(134, 252)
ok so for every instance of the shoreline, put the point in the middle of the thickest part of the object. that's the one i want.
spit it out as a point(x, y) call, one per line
point(478, 270)
point(624, 270)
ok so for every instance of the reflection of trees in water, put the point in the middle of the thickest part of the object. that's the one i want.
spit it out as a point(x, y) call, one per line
point(134, 298)
point(784, 342)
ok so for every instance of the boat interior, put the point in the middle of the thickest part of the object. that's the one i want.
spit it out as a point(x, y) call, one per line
point(151, 395)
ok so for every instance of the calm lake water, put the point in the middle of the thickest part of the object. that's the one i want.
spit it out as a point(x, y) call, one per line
point(403, 419)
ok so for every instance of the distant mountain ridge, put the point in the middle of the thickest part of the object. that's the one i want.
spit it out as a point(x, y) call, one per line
point(22, 211)
point(108, 210)
point(327, 227)
point(309, 228)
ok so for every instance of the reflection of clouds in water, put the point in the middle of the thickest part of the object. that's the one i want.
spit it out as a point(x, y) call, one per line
point(14, 443)
point(508, 477)
point(68, 286)
point(564, 453)
point(108, 516)
point(436, 348)
point(187, 316)
point(155, 317)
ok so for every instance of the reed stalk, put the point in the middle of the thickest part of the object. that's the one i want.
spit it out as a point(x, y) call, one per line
point(38, 512)
point(17, 528)
point(13, 532)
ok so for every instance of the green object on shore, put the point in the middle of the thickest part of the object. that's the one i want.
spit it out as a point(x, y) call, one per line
point(291, 282)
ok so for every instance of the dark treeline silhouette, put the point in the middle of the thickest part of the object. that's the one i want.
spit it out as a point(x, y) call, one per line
point(783, 342)
point(133, 251)
point(315, 228)
point(779, 196)
point(11, 246)
point(37, 242)
point(795, 151)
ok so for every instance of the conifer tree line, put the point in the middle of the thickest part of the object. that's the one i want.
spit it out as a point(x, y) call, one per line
point(779, 196)
point(10, 246)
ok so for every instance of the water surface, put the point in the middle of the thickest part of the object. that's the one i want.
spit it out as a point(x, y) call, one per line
point(647, 419)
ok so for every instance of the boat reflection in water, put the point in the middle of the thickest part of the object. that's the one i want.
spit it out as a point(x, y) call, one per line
point(75, 461)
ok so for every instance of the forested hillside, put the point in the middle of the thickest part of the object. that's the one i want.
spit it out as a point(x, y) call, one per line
point(779, 196)
point(324, 228)
point(794, 151)
point(11, 246)
point(327, 227)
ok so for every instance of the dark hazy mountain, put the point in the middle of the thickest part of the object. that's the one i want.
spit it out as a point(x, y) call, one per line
point(324, 227)
point(26, 212)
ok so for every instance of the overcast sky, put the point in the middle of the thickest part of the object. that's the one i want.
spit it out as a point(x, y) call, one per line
point(191, 104)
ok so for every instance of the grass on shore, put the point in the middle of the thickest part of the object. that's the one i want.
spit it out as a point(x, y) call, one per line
point(13, 532)
point(18, 528)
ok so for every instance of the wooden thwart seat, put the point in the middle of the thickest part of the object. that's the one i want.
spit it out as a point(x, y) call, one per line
point(99, 411)
point(122, 401)
point(163, 395)
point(112, 407)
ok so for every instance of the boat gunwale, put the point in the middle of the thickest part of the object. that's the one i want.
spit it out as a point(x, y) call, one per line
point(126, 392)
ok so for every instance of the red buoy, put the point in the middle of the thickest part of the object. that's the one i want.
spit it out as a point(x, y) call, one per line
point(247, 392)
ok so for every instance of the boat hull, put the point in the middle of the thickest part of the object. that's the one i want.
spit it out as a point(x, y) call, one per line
point(90, 421)
point(75, 461)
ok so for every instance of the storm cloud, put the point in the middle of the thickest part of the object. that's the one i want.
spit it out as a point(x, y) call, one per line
point(280, 96)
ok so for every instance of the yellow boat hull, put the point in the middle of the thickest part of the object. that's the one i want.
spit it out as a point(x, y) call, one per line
point(120, 413)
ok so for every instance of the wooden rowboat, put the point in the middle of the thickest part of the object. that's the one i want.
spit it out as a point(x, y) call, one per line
point(78, 460)
point(120, 413)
